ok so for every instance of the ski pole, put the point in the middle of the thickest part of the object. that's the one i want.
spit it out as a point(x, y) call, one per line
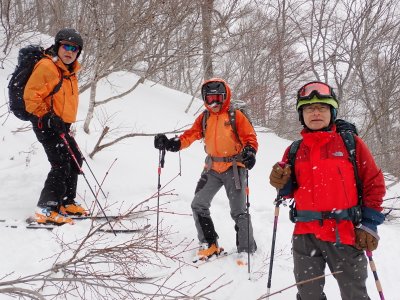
point(161, 161)
point(277, 202)
point(90, 169)
point(373, 269)
point(248, 221)
point(62, 135)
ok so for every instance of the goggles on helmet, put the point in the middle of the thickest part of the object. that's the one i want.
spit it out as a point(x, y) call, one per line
point(319, 89)
point(210, 99)
point(69, 47)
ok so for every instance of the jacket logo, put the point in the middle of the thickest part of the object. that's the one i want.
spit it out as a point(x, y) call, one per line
point(338, 154)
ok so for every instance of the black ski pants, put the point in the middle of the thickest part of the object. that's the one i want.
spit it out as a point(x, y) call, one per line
point(61, 183)
point(311, 255)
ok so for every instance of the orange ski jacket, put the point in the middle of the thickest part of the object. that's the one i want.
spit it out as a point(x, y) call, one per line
point(45, 76)
point(219, 138)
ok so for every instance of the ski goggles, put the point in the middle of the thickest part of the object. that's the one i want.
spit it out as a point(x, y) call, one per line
point(319, 89)
point(214, 98)
point(68, 47)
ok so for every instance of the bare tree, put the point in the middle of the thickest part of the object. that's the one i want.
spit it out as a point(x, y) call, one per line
point(207, 35)
point(264, 49)
point(144, 51)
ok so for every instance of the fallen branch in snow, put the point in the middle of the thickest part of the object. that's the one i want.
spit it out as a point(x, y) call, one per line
point(97, 265)
point(106, 131)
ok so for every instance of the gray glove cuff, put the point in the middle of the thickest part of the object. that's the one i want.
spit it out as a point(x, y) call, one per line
point(370, 231)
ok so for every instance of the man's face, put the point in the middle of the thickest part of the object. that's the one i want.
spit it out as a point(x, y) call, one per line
point(67, 52)
point(216, 107)
point(317, 115)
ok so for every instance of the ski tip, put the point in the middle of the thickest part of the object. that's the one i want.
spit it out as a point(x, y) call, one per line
point(241, 263)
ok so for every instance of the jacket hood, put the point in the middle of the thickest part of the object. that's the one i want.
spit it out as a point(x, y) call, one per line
point(225, 105)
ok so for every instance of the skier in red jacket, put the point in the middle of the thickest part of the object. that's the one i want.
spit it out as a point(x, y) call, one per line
point(327, 209)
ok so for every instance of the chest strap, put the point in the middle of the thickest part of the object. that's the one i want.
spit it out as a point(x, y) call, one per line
point(234, 159)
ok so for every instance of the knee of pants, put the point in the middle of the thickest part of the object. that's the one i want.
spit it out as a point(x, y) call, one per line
point(60, 170)
point(201, 183)
point(199, 207)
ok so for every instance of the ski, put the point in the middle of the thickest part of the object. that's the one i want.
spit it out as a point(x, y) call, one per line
point(35, 225)
point(97, 217)
point(125, 230)
point(131, 227)
point(241, 262)
point(90, 217)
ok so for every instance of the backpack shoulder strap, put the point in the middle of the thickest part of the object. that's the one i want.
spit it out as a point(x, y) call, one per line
point(350, 143)
point(57, 87)
point(206, 114)
point(292, 158)
point(232, 121)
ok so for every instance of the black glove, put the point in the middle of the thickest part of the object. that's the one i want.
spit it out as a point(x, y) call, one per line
point(53, 122)
point(249, 157)
point(173, 144)
point(160, 141)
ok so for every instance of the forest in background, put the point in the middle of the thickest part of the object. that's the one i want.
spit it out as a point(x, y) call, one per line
point(264, 49)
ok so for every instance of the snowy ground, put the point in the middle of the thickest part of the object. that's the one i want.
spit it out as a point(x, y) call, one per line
point(151, 109)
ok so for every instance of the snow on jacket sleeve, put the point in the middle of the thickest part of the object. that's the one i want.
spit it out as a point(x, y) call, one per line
point(44, 78)
point(371, 177)
point(193, 134)
point(246, 131)
point(373, 184)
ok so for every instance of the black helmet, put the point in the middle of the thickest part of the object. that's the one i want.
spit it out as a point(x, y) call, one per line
point(70, 35)
point(213, 87)
point(213, 92)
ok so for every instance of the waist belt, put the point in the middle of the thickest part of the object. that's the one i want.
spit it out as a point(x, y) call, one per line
point(234, 159)
point(352, 214)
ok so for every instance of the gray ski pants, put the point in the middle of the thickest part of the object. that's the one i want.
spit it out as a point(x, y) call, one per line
point(209, 184)
point(310, 256)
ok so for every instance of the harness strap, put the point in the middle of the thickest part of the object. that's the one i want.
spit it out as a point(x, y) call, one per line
point(234, 160)
point(309, 215)
point(352, 214)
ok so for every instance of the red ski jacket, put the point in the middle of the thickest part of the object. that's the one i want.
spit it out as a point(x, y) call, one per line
point(326, 182)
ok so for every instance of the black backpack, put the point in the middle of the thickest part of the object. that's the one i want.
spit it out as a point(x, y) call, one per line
point(234, 106)
point(347, 131)
point(27, 59)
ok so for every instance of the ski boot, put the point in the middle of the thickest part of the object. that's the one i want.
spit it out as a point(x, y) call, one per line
point(208, 250)
point(74, 209)
point(48, 216)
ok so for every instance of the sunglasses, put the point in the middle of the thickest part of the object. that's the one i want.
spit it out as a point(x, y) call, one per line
point(319, 89)
point(214, 98)
point(311, 108)
point(68, 47)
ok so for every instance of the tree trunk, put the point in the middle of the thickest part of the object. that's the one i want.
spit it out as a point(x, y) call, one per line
point(207, 34)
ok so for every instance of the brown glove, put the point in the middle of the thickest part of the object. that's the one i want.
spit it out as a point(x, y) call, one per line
point(365, 240)
point(279, 176)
